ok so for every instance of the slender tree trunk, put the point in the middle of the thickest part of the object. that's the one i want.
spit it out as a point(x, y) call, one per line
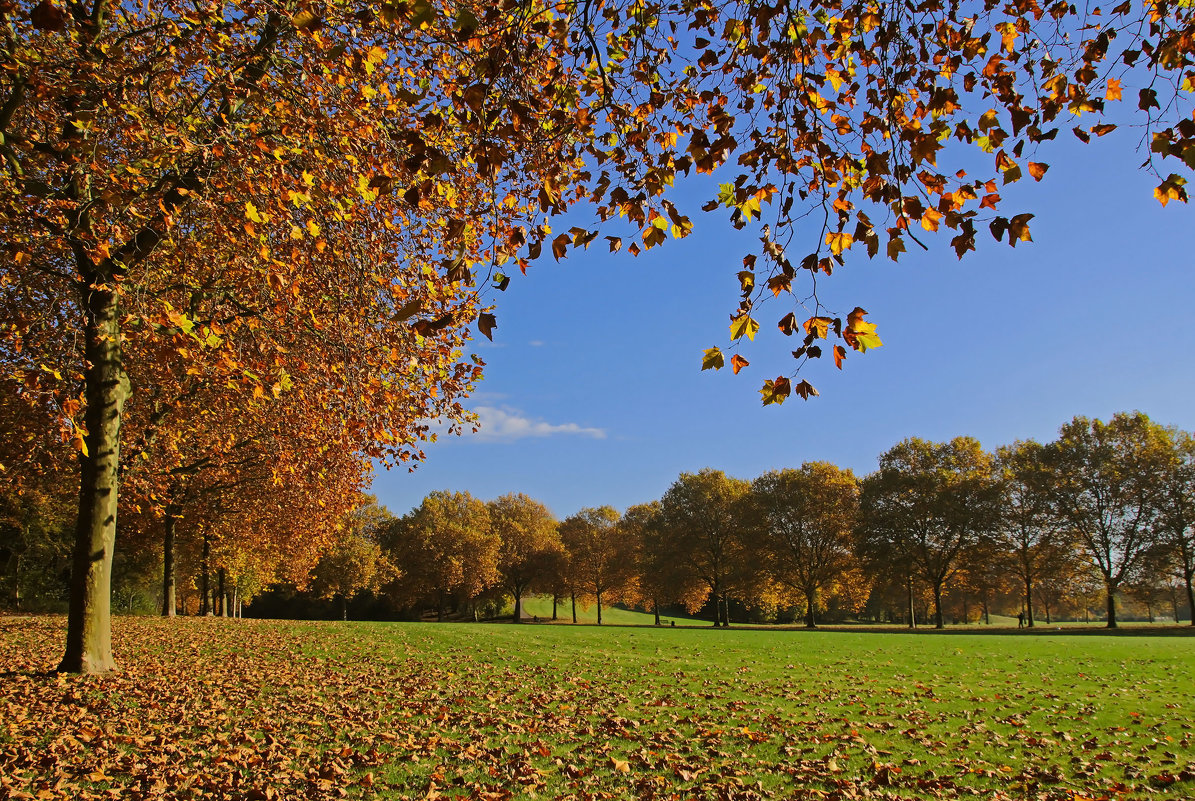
point(89, 621)
point(573, 597)
point(1112, 624)
point(966, 608)
point(168, 583)
point(1149, 611)
point(599, 607)
point(912, 608)
point(236, 602)
point(1188, 575)
point(344, 607)
point(810, 620)
point(222, 605)
point(939, 623)
point(518, 615)
point(725, 610)
point(1029, 601)
point(204, 594)
point(655, 608)
point(440, 608)
point(987, 616)
point(555, 598)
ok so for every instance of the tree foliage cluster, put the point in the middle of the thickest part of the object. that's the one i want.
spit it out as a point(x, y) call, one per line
point(939, 531)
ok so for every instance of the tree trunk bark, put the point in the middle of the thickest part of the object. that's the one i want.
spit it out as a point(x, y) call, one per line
point(106, 387)
point(169, 524)
point(344, 607)
point(987, 613)
point(939, 623)
point(205, 598)
point(1029, 601)
point(573, 597)
point(555, 598)
point(1111, 607)
point(222, 602)
point(810, 620)
point(655, 608)
point(518, 615)
point(1187, 576)
point(912, 608)
point(599, 608)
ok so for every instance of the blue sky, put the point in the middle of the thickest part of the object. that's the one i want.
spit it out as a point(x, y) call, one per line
point(594, 394)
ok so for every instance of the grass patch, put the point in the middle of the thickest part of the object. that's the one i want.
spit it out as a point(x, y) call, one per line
point(267, 709)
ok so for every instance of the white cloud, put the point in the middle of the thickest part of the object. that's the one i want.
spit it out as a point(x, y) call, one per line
point(536, 343)
point(506, 424)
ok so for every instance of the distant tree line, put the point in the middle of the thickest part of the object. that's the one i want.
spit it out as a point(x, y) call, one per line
point(1100, 521)
point(1104, 515)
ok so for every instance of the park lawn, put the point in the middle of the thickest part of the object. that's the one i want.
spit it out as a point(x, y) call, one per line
point(541, 606)
point(212, 708)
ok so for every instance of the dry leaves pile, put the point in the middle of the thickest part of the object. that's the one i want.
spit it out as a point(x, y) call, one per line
point(262, 710)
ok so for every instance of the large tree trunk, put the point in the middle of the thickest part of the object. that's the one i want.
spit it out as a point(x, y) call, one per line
point(1187, 576)
point(169, 524)
point(1029, 601)
point(205, 595)
point(655, 608)
point(1111, 607)
point(810, 619)
point(599, 607)
point(912, 608)
point(573, 597)
point(518, 615)
point(939, 623)
point(89, 622)
point(987, 614)
point(555, 598)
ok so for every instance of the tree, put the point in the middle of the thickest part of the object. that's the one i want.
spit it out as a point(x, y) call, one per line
point(444, 549)
point(529, 545)
point(263, 167)
point(1176, 503)
point(927, 503)
point(600, 552)
point(804, 525)
point(1028, 528)
point(355, 562)
point(1109, 480)
point(705, 535)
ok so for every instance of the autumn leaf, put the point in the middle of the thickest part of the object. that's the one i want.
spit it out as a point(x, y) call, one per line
point(486, 323)
point(743, 325)
point(818, 326)
point(712, 359)
point(776, 391)
point(838, 241)
point(737, 363)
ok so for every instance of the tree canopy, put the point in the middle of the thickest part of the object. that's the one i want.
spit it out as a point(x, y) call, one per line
point(289, 199)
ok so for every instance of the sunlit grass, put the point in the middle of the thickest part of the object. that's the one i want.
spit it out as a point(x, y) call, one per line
point(460, 710)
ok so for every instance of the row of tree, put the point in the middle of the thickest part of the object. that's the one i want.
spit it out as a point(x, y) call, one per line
point(1108, 508)
point(204, 210)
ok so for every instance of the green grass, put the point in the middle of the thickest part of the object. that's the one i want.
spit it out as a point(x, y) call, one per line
point(462, 710)
point(541, 606)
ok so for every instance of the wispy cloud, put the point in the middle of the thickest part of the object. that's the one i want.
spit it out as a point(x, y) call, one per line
point(504, 424)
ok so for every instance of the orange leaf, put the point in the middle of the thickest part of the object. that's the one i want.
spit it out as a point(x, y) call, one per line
point(737, 363)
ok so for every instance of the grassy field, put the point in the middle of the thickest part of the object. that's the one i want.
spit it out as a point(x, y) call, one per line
point(261, 710)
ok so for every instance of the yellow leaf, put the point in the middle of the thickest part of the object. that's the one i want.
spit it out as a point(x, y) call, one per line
point(712, 360)
point(743, 325)
point(253, 214)
point(838, 241)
